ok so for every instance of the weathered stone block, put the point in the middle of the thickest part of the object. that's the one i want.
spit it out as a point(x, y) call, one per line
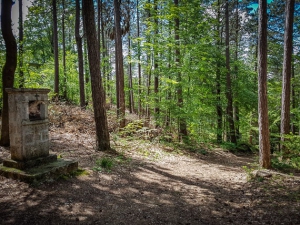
point(29, 138)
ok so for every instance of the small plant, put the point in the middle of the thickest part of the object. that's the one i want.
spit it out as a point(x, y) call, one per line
point(104, 163)
point(249, 172)
point(202, 151)
point(229, 146)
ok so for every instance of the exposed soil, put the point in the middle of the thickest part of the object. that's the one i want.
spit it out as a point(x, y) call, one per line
point(149, 183)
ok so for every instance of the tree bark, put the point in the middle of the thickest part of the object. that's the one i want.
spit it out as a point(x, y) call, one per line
point(218, 81)
point(9, 68)
point(139, 60)
point(104, 54)
point(98, 95)
point(80, 56)
point(156, 72)
point(236, 111)
point(181, 120)
point(286, 73)
point(131, 100)
point(119, 65)
point(263, 120)
point(64, 51)
point(232, 136)
point(55, 47)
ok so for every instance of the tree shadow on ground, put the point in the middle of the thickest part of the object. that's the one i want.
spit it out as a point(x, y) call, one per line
point(147, 194)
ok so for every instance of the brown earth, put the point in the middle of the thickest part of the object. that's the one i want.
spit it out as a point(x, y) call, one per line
point(149, 183)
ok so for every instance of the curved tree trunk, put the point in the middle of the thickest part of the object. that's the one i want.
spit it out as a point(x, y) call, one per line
point(8, 71)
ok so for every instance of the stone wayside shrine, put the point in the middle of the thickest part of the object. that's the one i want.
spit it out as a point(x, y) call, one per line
point(29, 139)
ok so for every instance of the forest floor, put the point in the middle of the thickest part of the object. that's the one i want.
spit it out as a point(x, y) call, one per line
point(149, 183)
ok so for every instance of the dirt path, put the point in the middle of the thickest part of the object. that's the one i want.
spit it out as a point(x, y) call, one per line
point(150, 184)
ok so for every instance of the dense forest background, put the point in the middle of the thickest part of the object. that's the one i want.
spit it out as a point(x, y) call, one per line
point(187, 67)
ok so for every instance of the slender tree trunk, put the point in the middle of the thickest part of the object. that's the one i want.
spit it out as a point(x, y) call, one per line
point(21, 72)
point(232, 136)
point(236, 116)
point(86, 66)
point(169, 93)
point(156, 72)
point(55, 47)
point(64, 51)
point(104, 54)
point(119, 64)
point(139, 60)
point(181, 120)
point(263, 119)
point(80, 56)
point(149, 75)
point(149, 70)
point(218, 81)
point(99, 22)
point(9, 68)
point(98, 95)
point(86, 69)
point(131, 100)
point(286, 73)
point(294, 119)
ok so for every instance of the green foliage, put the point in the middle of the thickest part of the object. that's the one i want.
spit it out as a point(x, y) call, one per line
point(105, 163)
point(249, 172)
point(291, 161)
point(131, 128)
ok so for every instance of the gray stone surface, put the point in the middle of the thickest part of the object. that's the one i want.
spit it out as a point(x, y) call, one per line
point(52, 170)
point(29, 139)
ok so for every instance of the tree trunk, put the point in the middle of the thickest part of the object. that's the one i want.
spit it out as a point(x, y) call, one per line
point(286, 73)
point(263, 120)
point(80, 56)
point(236, 116)
point(98, 95)
point(218, 81)
point(181, 120)
point(232, 136)
point(21, 72)
point(9, 68)
point(55, 47)
point(131, 100)
point(148, 74)
point(156, 78)
point(64, 51)
point(139, 60)
point(119, 65)
point(294, 119)
point(104, 54)
point(99, 22)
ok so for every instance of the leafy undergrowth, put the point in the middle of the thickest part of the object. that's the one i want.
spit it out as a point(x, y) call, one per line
point(146, 179)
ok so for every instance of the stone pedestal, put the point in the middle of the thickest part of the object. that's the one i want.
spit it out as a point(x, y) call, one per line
point(29, 138)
